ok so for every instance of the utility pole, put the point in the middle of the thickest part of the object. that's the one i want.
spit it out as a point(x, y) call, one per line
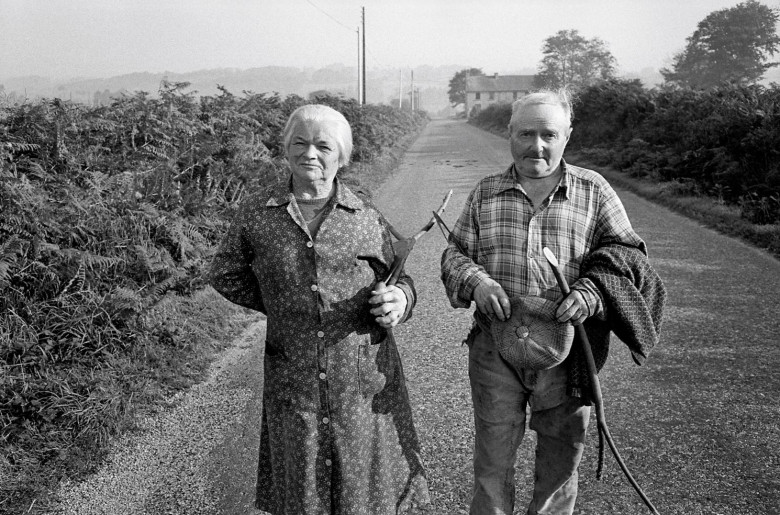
point(411, 93)
point(358, 63)
point(466, 93)
point(400, 88)
point(364, 55)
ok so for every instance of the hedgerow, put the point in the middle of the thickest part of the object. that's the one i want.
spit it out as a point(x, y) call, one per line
point(108, 219)
point(724, 140)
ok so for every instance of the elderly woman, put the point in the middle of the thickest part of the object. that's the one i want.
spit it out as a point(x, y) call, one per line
point(337, 434)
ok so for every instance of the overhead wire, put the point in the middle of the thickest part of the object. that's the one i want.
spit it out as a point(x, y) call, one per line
point(323, 11)
point(374, 58)
point(326, 13)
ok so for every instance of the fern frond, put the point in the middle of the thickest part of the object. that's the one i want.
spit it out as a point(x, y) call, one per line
point(191, 231)
point(97, 181)
point(15, 225)
point(44, 270)
point(159, 289)
point(121, 181)
point(122, 298)
point(10, 250)
point(20, 146)
point(76, 284)
point(90, 261)
point(153, 259)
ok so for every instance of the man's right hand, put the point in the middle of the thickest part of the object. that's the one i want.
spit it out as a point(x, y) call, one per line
point(491, 299)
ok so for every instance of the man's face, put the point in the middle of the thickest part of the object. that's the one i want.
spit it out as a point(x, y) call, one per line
point(538, 139)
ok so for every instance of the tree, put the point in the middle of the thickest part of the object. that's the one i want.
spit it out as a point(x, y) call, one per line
point(457, 91)
point(573, 60)
point(729, 45)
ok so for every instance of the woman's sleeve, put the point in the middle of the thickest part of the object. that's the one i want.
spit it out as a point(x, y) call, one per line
point(231, 270)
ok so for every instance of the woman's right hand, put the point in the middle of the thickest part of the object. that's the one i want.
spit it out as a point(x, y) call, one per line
point(389, 304)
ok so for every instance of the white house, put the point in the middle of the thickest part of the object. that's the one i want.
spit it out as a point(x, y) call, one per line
point(484, 90)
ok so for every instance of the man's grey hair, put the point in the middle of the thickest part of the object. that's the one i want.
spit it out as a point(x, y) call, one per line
point(321, 113)
point(561, 97)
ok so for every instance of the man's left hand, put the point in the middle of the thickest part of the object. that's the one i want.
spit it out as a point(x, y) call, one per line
point(389, 304)
point(572, 309)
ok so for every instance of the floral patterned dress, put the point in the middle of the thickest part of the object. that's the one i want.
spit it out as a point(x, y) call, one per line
point(337, 435)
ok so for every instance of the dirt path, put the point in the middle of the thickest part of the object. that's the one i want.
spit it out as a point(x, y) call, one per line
point(697, 424)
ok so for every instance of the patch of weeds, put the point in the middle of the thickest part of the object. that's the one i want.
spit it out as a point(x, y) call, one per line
point(679, 188)
point(61, 416)
point(760, 210)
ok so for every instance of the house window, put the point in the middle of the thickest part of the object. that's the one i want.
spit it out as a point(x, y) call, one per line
point(514, 95)
point(476, 95)
point(492, 96)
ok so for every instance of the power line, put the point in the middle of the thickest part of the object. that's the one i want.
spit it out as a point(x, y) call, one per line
point(323, 11)
point(327, 14)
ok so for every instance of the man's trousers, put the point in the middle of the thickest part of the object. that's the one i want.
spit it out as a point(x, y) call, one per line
point(500, 395)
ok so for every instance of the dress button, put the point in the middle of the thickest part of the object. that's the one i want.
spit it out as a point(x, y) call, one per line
point(328, 463)
point(314, 287)
point(321, 334)
point(309, 244)
point(322, 375)
point(325, 420)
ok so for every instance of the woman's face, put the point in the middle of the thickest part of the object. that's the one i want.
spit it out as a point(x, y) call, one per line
point(313, 154)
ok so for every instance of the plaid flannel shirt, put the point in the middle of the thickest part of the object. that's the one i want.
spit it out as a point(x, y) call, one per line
point(503, 235)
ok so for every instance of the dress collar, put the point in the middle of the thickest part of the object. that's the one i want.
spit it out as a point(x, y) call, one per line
point(282, 194)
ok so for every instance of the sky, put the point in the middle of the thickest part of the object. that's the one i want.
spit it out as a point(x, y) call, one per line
point(104, 38)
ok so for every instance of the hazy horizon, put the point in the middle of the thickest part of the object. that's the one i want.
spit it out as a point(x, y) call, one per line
point(98, 39)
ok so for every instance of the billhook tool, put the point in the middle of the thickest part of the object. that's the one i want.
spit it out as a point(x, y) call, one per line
point(595, 385)
point(405, 245)
point(443, 227)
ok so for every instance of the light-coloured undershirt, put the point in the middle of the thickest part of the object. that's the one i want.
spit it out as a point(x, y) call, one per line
point(313, 211)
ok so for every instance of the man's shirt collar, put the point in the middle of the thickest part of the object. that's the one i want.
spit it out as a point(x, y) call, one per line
point(508, 180)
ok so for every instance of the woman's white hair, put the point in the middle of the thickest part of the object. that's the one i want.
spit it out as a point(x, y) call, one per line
point(560, 97)
point(321, 113)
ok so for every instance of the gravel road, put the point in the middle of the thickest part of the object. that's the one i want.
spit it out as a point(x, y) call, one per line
point(697, 424)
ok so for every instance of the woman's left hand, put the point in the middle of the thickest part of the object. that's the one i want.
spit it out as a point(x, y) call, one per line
point(389, 304)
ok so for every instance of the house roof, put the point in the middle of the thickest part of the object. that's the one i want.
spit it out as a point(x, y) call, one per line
point(500, 83)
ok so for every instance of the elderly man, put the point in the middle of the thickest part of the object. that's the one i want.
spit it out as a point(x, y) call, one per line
point(495, 255)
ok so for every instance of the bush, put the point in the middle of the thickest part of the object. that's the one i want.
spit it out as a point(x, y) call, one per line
point(610, 113)
point(760, 210)
point(494, 117)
